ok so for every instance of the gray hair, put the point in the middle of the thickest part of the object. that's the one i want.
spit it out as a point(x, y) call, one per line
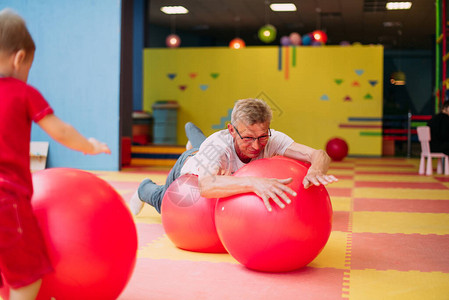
point(14, 35)
point(251, 111)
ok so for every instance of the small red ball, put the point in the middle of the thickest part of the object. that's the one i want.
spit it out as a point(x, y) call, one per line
point(337, 149)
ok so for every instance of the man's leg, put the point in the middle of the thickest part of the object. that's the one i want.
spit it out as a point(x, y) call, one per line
point(194, 135)
point(151, 193)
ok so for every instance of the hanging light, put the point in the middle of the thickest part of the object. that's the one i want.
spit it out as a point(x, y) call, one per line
point(397, 78)
point(267, 33)
point(320, 36)
point(173, 41)
point(237, 43)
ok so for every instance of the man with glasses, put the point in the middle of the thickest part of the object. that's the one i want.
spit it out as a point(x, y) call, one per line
point(248, 137)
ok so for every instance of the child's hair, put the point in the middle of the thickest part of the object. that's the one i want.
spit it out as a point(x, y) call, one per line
point(14, 35)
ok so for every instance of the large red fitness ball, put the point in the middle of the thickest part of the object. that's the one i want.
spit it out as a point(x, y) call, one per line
point(337, 149)
point(90, 235)
point(188, 218)
point(283, 239)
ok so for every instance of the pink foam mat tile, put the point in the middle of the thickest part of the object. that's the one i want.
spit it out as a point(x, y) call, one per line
point(401, 185)
point(340, 221)
point(401, 205)
point(167, 280)
point(401, 252)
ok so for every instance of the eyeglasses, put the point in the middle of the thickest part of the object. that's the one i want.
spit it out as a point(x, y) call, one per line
point(248, 139)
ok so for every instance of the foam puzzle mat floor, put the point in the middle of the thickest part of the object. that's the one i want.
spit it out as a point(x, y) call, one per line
point(389, 240)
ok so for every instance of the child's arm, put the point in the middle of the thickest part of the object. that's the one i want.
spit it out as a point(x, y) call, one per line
point(67, 135)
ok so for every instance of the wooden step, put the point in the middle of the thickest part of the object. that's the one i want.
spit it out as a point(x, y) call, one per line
point(155, 155)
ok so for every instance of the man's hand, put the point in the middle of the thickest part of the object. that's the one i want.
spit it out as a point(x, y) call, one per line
point(273, 188)
point(316, 177)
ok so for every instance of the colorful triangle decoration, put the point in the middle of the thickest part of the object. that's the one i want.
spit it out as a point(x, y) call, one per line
point(324, 97)
point(372, 82)
point(338, 81)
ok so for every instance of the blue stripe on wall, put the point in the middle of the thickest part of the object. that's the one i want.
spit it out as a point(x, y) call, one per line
point(77, 69)
point(138, 46)
point(366, 119)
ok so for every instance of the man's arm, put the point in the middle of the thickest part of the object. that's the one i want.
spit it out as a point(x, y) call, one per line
point(319, 164)
point(219, 186)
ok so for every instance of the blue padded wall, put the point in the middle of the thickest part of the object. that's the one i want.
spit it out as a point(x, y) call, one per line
point(77, 69)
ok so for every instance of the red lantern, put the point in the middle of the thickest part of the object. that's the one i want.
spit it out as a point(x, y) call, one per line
point(237, 43)
point(173, 41)
point(320, 36)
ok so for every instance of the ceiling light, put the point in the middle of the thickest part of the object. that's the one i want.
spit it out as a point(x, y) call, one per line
point(398, 5)
point(174, 10)
point(283, 7)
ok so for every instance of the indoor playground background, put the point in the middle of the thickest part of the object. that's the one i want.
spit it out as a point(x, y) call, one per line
point(315, 92)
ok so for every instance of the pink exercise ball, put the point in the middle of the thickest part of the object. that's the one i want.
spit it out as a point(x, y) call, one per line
point(89, 232)
point(188, 218)
point(281, 240)
point(337, 149)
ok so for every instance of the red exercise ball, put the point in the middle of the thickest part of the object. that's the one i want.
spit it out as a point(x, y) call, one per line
point(337, 149)
point(188, 218)
point(281, 240)
point(90, 235)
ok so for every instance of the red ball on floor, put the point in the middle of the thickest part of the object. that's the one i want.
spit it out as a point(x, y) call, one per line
point(188, 218)
point(337, 149)
point(283, 239)
point(90, 235)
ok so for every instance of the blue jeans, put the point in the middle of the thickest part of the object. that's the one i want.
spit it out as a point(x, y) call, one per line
point(152, 193)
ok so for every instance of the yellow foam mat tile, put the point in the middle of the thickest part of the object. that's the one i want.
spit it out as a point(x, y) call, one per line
point(394, 178)
point(158, 178)
point(163, 248)
point(148, 215)
point(396, 222)
point(396, 169)
point(397, 285)
point(333, 254)
point(390, 193)
point(337, 172)
point(341, 203)
point(342, 183)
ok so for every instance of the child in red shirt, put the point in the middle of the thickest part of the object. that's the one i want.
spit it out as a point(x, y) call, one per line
point(23, 255)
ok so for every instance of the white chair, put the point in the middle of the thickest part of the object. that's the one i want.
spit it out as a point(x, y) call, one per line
point(424, 138)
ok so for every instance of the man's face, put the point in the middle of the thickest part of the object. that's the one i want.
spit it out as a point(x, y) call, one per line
point(250, 140)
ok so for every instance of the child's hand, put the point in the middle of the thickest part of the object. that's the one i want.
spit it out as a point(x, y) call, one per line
point(98, 147)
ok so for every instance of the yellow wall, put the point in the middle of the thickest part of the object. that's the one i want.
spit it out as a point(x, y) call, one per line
point(315, 92)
